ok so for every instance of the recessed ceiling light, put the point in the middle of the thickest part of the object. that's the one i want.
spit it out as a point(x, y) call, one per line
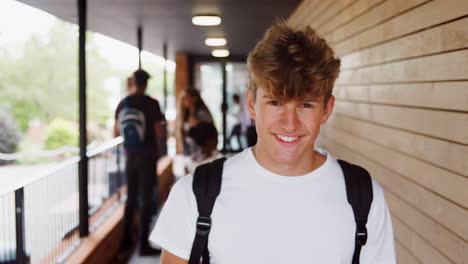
point(215, 41)
point(220, 53)
point(206, 20)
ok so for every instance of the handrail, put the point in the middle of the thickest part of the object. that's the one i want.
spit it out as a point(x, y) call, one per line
point(103, 147)
point(63, 149)
point(43, 153)
point(32, 179)
point(74, 160)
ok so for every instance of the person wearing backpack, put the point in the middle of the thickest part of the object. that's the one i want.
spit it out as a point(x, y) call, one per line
point(138, 119)
point(283, 200)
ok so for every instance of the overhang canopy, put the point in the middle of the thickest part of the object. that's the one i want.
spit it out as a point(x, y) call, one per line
point(170, 21)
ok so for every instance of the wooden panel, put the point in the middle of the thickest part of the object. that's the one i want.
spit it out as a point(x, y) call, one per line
point(357, 9)
point(447, 37)
point(442, 182)
point(303, 12)
point(372, 18)
point(182, 81)
point(448, 214)
point(447, 66)
point(430, 14)
point(443, 125)
point(450, 245)
point(315, 11)
point(165, 178)
point(402, 112)
point(445, 95)
point(444, 154)
point(300, 13)
point(418, 246)
point(330, 12)
point(404, 256)
point(181, 73)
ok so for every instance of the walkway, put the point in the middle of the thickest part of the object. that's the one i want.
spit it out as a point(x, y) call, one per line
point(136, 259)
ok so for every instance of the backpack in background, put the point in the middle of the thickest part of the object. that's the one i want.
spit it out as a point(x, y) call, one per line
point(132, 127)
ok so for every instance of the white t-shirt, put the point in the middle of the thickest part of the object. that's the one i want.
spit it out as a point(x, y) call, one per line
point(261, 217)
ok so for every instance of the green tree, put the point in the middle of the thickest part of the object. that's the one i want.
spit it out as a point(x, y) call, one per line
point(42, 81)
point(60, 133)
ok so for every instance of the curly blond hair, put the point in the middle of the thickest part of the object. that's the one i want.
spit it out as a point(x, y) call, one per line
point(290, 64)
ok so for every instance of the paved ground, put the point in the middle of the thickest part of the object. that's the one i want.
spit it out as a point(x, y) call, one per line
point(136, 259)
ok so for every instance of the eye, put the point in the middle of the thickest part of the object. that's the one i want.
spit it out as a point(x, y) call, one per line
point(275, 103)
point(306, 105)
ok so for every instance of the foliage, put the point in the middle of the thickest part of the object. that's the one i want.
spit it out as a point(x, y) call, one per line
point(40, 79)
point(60, 133)
point(10, 135)
point(29, 150)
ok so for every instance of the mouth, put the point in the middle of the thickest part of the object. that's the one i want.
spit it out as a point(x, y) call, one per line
point(289, 140)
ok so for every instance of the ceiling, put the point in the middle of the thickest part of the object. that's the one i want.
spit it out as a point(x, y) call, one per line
point(243, 21)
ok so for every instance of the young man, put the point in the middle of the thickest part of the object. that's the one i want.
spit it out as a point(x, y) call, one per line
point(141, 160)
point(281, 201)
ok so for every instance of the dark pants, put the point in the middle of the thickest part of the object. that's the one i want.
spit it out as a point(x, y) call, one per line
point(236, 132)
point(141, 181)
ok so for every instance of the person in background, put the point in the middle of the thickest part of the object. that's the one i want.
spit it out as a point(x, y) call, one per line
point(138, 120)
point(191, 111)
point(130, 89)
point(251, 133)
point(236, 114)
point(204, 140)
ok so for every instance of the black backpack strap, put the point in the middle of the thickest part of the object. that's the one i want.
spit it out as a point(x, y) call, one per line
point(359, 191)
point(206, 187)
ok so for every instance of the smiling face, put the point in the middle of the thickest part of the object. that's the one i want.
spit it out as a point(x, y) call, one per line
point(287, 131)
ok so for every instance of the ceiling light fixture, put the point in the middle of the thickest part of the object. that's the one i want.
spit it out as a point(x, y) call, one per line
point(206, 20)
point(215, 42)
point(220, 53)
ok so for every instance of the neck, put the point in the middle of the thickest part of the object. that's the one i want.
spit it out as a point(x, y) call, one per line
point(294, 168)
point(139, 92)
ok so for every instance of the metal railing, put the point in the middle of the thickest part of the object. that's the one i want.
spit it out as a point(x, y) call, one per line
point(40, 216)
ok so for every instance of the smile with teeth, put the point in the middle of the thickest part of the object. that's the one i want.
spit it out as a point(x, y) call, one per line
point(286, 138)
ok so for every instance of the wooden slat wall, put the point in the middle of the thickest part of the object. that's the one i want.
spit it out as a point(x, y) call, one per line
point(402, 112)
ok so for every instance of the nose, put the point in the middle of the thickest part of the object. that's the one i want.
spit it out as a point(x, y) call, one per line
point(290, 120)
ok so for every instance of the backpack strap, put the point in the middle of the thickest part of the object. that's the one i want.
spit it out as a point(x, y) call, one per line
point(359, 192)
point(206, 187)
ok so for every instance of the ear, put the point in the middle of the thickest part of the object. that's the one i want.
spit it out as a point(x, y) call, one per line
point(328, 109)
point(250, 104)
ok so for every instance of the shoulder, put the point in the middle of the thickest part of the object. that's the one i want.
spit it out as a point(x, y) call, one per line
point(238, 159)
point(181, 194)
point(151, 100)
point(183, 185)
point(120, 105)
point(123, 100)
point(238, 166)
point(203, 115)
point(378, 194)
point(154, 103)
